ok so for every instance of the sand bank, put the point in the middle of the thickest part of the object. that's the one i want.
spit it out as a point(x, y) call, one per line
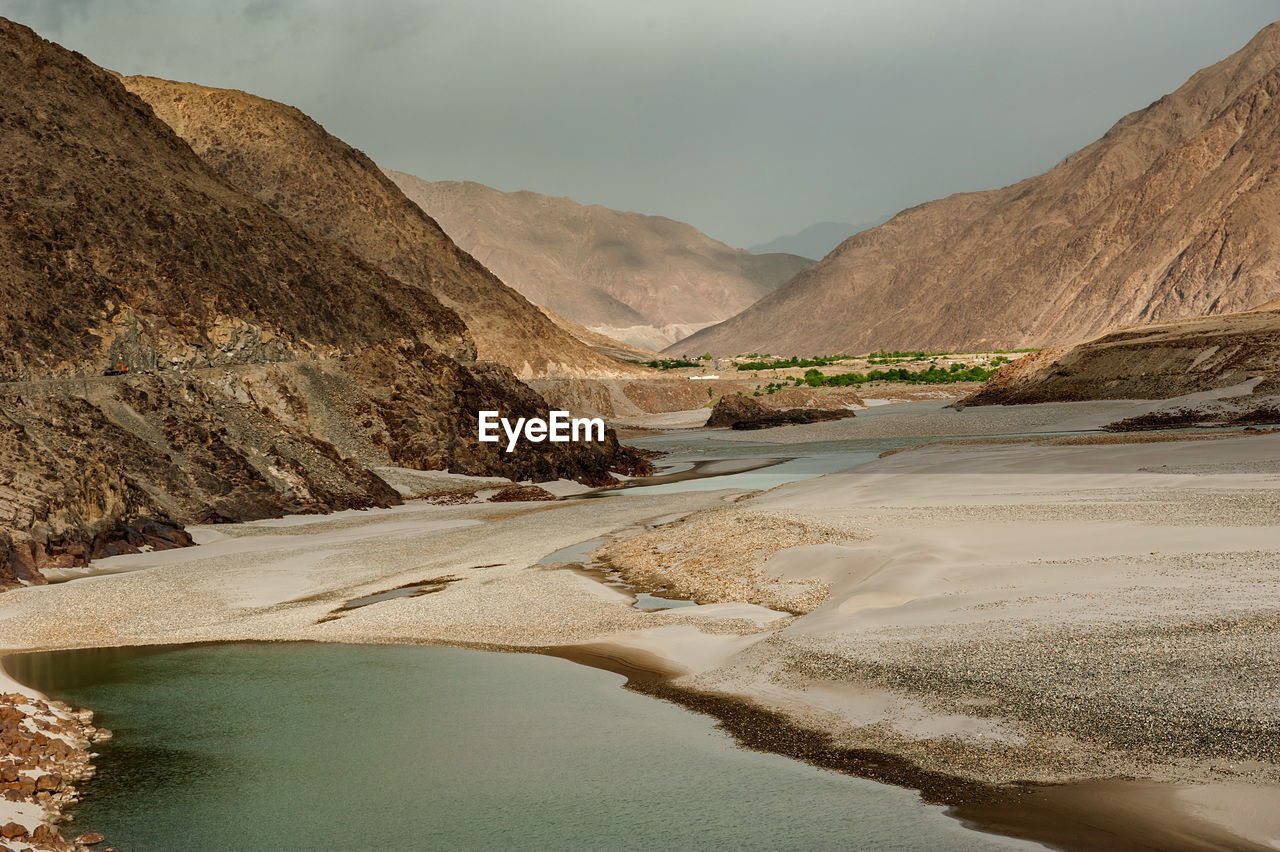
point(982, 613)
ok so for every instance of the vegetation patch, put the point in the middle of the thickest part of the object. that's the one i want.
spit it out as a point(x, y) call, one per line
point(934, 375)
point(667, 363)
point(779, 363)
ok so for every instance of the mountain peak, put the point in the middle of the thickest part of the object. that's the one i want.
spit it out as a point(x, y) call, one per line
point(1173, 213)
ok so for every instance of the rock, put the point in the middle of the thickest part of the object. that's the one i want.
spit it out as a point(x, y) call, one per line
point(521, 494)
point(734, 408)
point(44, 834)
point(90, 839)
point(738, 411)
point(51, 782)
point(12, 831)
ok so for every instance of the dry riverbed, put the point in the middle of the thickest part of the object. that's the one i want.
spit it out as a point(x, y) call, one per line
point(958, 618)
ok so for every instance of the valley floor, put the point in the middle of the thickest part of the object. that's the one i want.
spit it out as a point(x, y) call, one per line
point(1070, 611)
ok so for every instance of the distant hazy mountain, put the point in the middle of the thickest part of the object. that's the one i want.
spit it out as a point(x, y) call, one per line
point(1172, 214)
point(815, 241)
point(645, 280)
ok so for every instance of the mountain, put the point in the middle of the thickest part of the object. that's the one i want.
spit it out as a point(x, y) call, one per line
point(289, 162)
point(815, 241)
point(645, 280)
point(176, 351)
point(1174, 213)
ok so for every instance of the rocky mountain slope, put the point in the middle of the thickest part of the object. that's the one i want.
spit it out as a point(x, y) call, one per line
point(267, 368)
point(289, 162)
point(1174, 213)
point(645, 280)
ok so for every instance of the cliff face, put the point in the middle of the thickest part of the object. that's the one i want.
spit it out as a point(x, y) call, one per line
point(1156, 361)
point(645, 280)
point(290, 163)
point(255, 350)
point(1174, 213)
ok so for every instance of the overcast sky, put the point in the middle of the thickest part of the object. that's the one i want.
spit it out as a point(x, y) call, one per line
point(747, 119)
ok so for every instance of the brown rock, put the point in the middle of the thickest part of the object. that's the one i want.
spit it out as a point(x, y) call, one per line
point(738, 411)
point(50, 782)
point(46, 834)
point(521, 493)
point(733, 408)
point(12, 831)
point(90, 838)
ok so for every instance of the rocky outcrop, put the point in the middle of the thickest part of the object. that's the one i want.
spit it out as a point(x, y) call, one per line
point(645, 280)
point(44, 752)
point(283, 158)
point(739, 411)
point(1222, 371)
point(261, 368)
point(1157, 361)
point(1172, 214)
point(521, 494)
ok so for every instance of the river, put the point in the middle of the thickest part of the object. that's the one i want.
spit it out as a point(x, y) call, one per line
point(316, 746)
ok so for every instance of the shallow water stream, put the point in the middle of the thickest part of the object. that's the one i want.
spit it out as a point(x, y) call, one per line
point(301, 747)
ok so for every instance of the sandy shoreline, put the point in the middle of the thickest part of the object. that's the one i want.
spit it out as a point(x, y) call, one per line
point(973, 601)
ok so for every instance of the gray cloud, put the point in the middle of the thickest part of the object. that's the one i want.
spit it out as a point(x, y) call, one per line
point(44, 14)
point(746, 119)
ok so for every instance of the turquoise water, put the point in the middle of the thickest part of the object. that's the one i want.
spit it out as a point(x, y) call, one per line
point(802, 461)
point(347, 747)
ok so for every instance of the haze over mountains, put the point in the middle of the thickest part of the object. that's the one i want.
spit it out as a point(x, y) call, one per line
point(268, 368)
point(1173, 213)
point(815, 241)
point(645, 280)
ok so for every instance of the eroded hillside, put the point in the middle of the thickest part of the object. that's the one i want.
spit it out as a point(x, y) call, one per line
point(247, 347)
point(289, 162)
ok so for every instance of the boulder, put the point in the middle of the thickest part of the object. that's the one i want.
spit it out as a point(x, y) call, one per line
point(43, 834)
point(12, 831)
point(521, 493)
point(739, 411)
point(50, 783)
